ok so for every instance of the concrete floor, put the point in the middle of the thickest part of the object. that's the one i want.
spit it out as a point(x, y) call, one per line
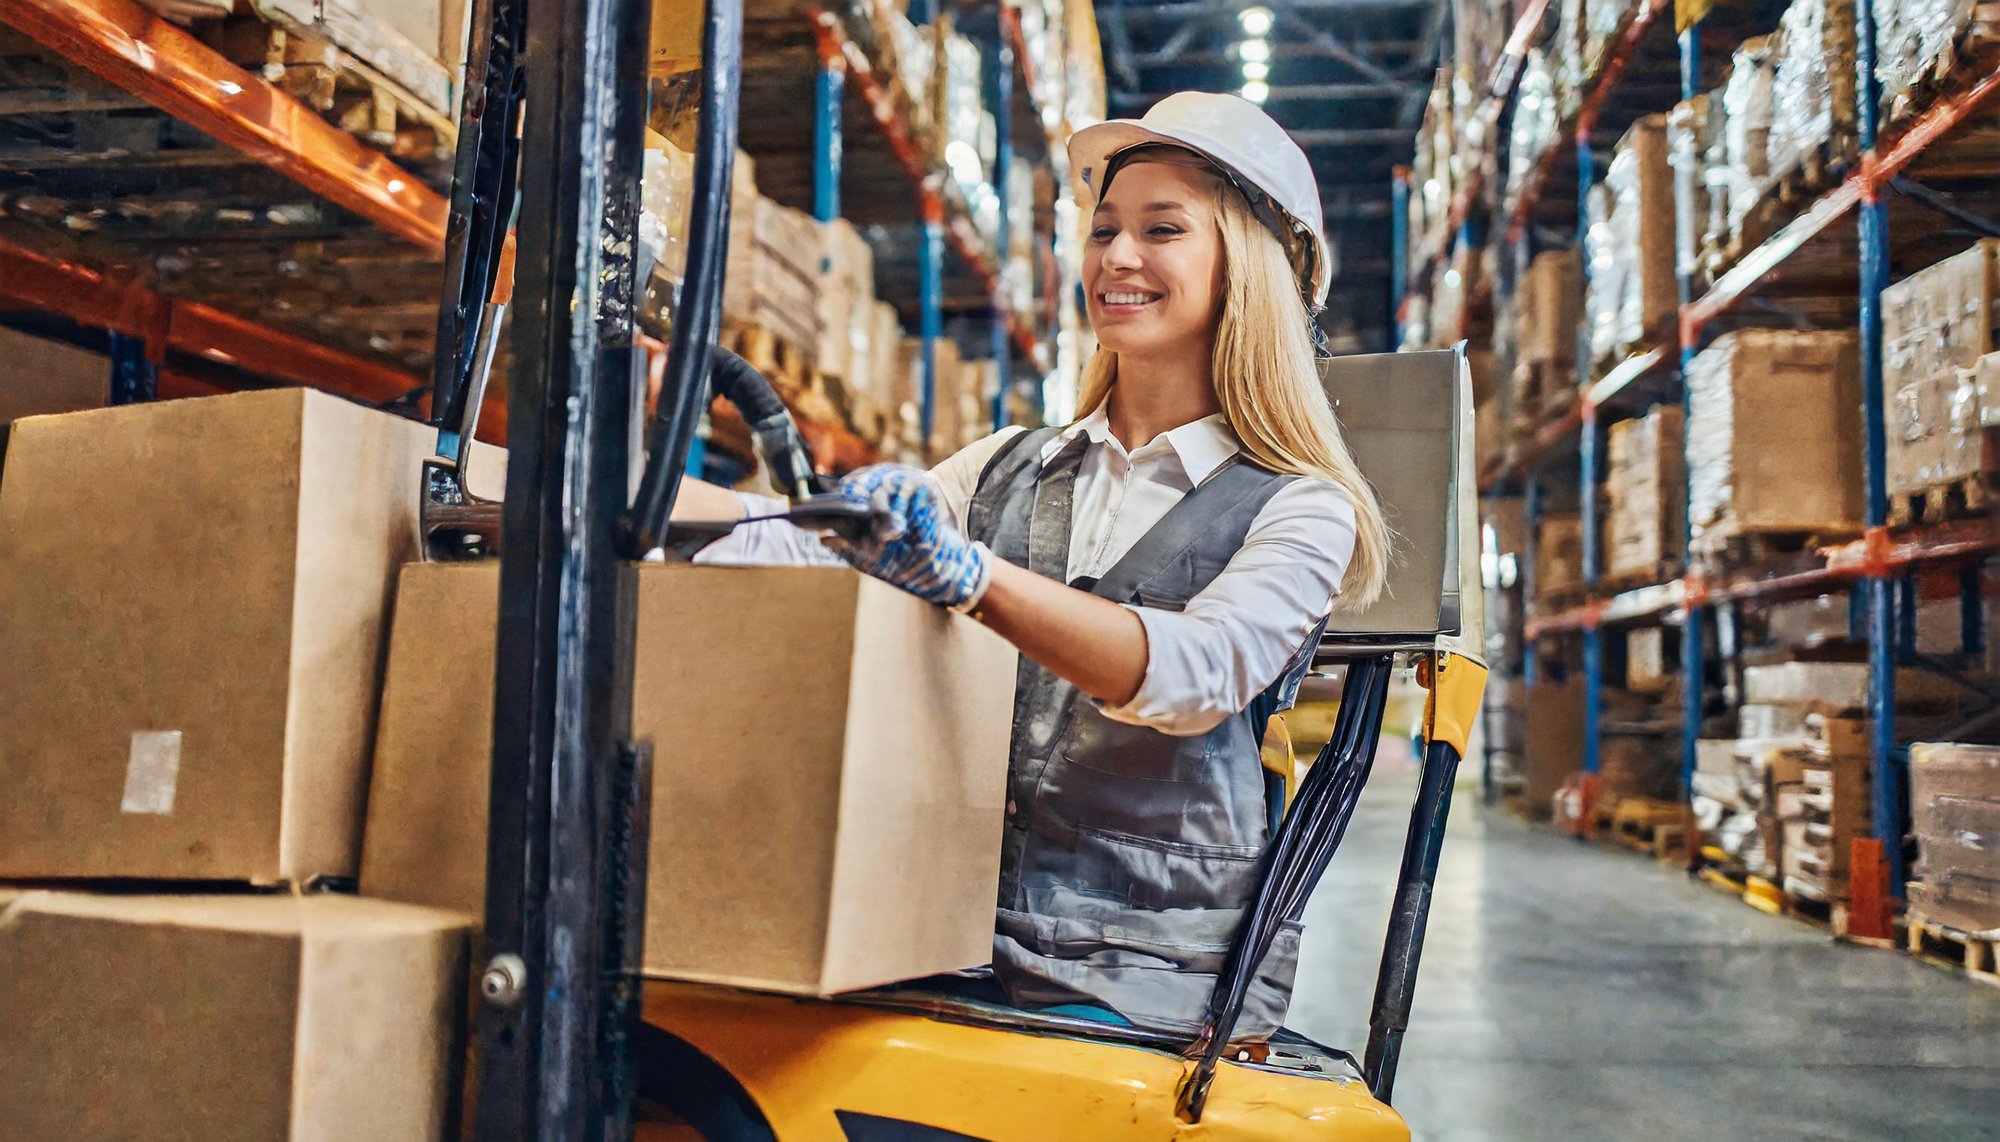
point(1581, 992)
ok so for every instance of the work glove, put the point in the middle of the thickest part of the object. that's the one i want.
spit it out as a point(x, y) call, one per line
point(914, 545)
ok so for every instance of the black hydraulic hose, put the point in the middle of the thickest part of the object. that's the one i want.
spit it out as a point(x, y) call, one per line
point(699, 315)
point(1396, 983)
point(738, 382)
point(1305, 842)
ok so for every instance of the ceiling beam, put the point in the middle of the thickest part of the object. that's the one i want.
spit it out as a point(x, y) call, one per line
point(1206, 9)
point(1351, 137)
point(1279, 51)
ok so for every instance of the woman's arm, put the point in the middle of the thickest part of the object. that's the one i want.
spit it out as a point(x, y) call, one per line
point(1091, 642)
point(699, 499)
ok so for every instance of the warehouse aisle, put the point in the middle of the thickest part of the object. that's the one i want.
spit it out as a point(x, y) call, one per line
point(1573, 992)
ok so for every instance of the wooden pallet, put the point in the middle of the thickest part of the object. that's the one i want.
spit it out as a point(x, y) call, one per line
point(1758, 548)
point(1930, 940)
point(1633, 578)
point(1965, 498)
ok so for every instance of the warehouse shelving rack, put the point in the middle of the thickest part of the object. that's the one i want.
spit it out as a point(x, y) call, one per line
point(183, 335)
point(1876, 568)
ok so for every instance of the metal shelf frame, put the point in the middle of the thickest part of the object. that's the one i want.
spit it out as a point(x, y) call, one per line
point(1875, 569)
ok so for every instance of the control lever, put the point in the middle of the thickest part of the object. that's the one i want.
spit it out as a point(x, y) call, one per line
point(457, 524)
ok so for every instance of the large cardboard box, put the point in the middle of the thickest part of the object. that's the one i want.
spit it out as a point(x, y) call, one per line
point(1955, 810)
point(1646, 486)
point(1835, 687)
point(842, 834)
point(1648, 670)
point(1773, 439)
point(193, 602)
point(229, 1017)
point(39, 376)
point(1633, 292)
point(1553, 729)
point(1551, 309)
point(1936, 325)
point(1558, 556)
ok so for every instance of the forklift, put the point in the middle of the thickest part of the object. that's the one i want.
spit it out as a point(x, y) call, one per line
point(572, 1042)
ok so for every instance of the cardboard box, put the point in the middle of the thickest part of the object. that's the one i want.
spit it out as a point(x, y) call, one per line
point(1551, 309)
point(1553, 733)
point(229, 1017)
point(1955, 810)
point(1936, 325)
point(39, 376)
point(1771, 445)
point(1634, 294)
point(1646, 486)
point(1558, 556)
point(1967, 903)
point(846, 839)
point(1638, 765)
point(1647, 668)
point(194, 599)
point(1836, 687)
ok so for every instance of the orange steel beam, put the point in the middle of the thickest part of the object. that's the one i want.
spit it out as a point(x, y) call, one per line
point(106, 301)
point(170, 69)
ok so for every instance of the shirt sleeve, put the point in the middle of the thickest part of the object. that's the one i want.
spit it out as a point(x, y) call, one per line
point(777, 543)
point(1209, 661)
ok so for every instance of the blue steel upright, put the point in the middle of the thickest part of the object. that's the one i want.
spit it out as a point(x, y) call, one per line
point(1587, 476)
point(134, 377)
point(1399, 252)
point(1003, 159)
point(827, 147)
point(1890, 785)
point(930, 315)
point(1693, 682)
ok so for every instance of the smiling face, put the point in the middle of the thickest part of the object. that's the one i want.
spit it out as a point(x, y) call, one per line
point(1152, 270)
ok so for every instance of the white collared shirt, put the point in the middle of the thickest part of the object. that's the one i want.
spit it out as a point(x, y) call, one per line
point(1207, 662)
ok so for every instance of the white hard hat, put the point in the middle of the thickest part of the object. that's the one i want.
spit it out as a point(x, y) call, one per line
point(1249, 148)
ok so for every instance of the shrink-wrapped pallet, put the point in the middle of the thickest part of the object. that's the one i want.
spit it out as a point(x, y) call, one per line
point(1746, 128)
point(1536, 115)
point(1936, 326)
point(1646, 488)
point(1812, 86)
point(1691, 133)
point(1917, 40)
point(1633, 292)
point(1955, 811)
point(1773, 435)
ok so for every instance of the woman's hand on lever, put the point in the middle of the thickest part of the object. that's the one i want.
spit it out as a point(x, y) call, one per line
point(701, 500)
point(1092, 642)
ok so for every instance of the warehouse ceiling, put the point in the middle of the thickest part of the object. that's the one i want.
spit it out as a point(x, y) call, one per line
point(1347, 78)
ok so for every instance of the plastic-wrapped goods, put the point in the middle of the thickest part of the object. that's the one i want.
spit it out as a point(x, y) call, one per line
point(1773, 425)
point(1566, 56)
point(1746, 129)
point(1601, 21)
point(1914, 40)
point(1688, 142)
point(908, 56)
point(665, 189)
point(1645, 484)
point(1812, 87)
point(1936, 325)
point(1535, 118)
point(1550, 312)
point(1633, 292)
point(1955, 808)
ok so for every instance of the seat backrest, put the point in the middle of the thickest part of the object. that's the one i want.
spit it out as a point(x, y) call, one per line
point(1407, 417)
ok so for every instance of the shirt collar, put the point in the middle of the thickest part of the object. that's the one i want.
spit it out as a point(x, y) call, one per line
point(1201, 445)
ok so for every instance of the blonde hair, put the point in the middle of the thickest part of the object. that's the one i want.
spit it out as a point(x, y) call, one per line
point(1269, 387)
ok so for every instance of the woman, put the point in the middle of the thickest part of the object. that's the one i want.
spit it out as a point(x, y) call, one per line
point(1164, 564)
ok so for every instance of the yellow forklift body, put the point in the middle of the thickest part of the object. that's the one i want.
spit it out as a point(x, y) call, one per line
point(804, 1060)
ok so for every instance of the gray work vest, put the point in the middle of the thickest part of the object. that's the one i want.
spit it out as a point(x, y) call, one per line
point(1129, 856)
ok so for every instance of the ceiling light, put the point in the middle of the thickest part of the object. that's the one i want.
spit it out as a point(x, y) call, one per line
point(1256, 91)
point(1256, 21)
point(1257, 71)
point(1254, 51)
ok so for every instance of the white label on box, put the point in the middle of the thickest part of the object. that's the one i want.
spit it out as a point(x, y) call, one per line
point(152, 772)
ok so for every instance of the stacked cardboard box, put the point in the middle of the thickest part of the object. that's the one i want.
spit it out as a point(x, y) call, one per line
point(1955, 805)
point(200, 708)
point(1646, 486)
point(1648, 669)
point(40, 376)
point(1771, 439)
point(846, 289)
point(1551, 316)
point(1634, 295)
point(1558, 556)
point(886, 825)
point(1936, 325)
point(1552, 743)
point(1820, 796)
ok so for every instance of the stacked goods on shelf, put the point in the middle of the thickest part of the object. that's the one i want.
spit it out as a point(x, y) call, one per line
point(905, 730)
point(200, 708)
point(1820, 796)
point(774, 269)
point(1584, 28)
point(1634, 295)
point(1731, 803)
point(1559, 557)
point(1813, 91)
point(1955, 808)
point(1646, 489)
point(1918, 43)
point(1693, 132)
point(906, 56)
point(1742, 160)
point(1549, 302)
point(39, 376)
point(1552, 744)
point(1936, 326)
point(847, 321)
point(1537, 116)
point(1770, 438)
point(1648, 669)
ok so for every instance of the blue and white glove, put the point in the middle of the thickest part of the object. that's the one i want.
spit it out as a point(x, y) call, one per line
point(917, 546)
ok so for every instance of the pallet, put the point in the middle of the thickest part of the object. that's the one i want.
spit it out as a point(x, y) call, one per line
point(1933, 941)
point(1965, 498)
point(1634, 578)
point(1758, 548)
